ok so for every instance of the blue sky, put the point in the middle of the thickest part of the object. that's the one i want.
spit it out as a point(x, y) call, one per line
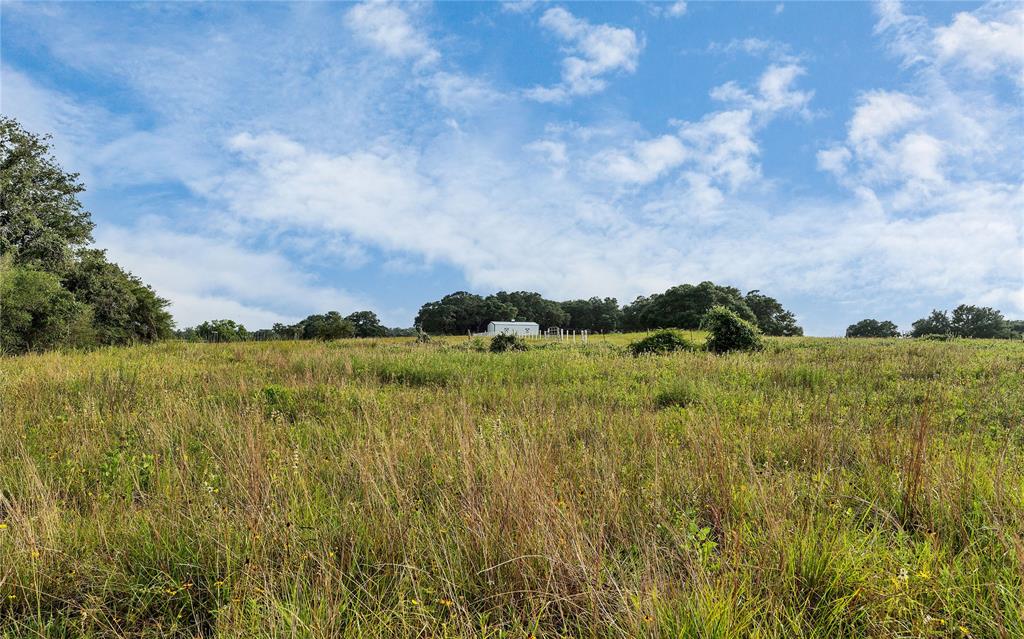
point(266, 161)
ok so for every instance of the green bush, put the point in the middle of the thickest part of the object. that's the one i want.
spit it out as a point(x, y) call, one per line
point(660, 342)
point(729, 332)
point(505, 343)
point(37, 313)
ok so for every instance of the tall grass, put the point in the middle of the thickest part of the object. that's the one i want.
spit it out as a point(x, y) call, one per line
point(819, 488)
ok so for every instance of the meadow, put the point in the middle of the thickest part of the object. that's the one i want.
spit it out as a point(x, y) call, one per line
point(384, 488)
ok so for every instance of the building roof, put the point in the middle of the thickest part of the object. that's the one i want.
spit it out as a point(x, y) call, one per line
point(515, 323)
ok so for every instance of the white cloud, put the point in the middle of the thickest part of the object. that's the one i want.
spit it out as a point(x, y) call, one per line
point(668, 9)
point(388, 27)
point(881, 113)
point(518, 6)
point(985, 46)
point(211, 277)
point(593, 52)
point(773, 49)
point(920, 156)
point(646, 161)
point(775, 92)
point(834, 160)
point(720, 148)
point(941, 160)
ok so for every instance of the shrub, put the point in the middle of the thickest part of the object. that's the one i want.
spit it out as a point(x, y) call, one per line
point(660, 342)
point(729, 332)
point(504, 343)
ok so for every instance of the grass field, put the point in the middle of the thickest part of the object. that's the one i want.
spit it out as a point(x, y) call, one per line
point(821, 488)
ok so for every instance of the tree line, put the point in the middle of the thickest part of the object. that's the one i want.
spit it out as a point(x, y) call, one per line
point(980, 322)
point(330, 325)
point(56, 290)
point(683, 306)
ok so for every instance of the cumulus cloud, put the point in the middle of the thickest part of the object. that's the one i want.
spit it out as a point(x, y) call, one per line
point(720, 148)
point(646, 160)
point(942, 158)
point(985, 45)
point(389, 27)
point(593, 51)
point(774, 93)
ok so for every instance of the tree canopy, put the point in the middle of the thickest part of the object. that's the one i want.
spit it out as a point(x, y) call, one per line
point(965, 321)
point(42, 221)
point(594, 314)
point(58, 292)
point(873, 328)
point(684, 306)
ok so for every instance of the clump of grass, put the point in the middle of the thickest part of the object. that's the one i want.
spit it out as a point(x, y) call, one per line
point(409, 373)
point(680, 394)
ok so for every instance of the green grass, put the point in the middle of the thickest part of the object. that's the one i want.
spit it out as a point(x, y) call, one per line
point(819, 488)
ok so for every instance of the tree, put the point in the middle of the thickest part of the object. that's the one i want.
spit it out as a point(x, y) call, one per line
point(685, 306)
point(330, 325)
point(730, 332)
point(42, 222)
point(594, 314)
point(1015, 327)
point(772, 318)
point(872, 328)
point(978, 322)
point(935, 324)
point(124, 309)
point(531, 307)
point(221, 330)
point(366, 324)
point(37, 313)
point(44, 231)
point(461, 312)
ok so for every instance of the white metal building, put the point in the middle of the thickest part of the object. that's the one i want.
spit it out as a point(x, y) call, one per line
point(514, 328)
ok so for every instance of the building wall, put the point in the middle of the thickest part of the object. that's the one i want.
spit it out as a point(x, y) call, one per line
point(513, 329)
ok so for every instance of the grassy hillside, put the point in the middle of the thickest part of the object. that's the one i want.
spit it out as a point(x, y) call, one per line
point(381, 488)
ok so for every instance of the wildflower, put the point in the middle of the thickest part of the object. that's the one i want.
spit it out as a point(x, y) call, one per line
point(3, 526)
point(447, 603)
point(415, 602)
point(35, 554)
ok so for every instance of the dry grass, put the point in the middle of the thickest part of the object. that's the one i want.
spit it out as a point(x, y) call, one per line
point(379, 488)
